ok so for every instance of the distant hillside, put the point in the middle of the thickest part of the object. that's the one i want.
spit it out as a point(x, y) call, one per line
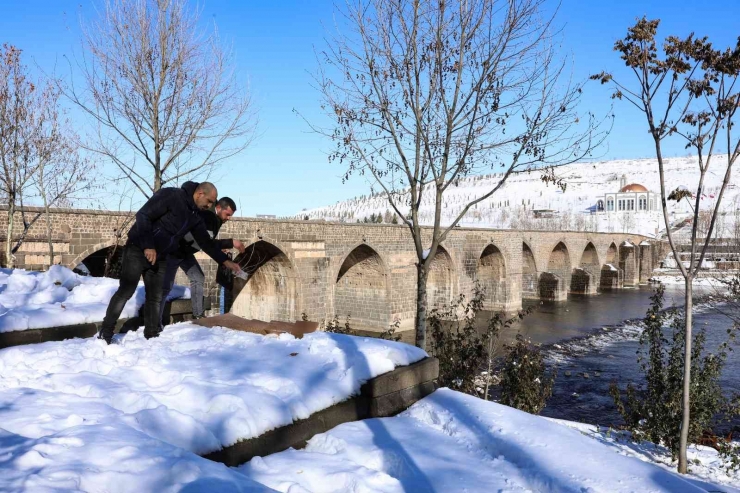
point(514, 206)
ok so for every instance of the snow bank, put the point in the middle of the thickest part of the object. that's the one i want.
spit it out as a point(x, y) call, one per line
point(705, 282)
point(454, 442)
point(110, 458)
point(37, 300)
point(196, 388)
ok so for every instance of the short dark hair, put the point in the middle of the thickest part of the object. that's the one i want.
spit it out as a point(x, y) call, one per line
point(225, 202)
point(205, 187)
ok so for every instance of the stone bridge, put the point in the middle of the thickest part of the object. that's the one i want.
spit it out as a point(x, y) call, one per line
point(367, 271)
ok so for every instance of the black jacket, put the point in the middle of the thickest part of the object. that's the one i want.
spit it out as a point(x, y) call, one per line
point(188, 244)
point(167, 217)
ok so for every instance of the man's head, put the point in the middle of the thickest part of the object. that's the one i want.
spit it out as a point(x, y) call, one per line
point(205, 195)
point(225, 208)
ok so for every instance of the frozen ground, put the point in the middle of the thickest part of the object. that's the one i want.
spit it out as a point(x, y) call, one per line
point(453, 442)
point(36, 300)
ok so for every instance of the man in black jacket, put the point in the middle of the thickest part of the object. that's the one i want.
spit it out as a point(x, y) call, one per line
point(184, 257)
point(160, 224)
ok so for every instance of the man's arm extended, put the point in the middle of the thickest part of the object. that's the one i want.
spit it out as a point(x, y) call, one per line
point(211, 247)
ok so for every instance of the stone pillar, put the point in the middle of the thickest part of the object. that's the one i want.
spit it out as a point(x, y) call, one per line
point(611, 278)
point(628, 264)
point(552, 287)
point(646, 262)
point(582, 282)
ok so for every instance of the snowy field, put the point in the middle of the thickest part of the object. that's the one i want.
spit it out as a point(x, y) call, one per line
point(454, 442)
point(36, 300)
point(512, 206)
point(79, 415)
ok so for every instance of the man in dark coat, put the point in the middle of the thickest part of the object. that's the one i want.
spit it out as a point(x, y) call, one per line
point(160, 224)
point(184, 257)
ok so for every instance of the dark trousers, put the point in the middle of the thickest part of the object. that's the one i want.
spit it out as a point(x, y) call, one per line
point(196, 277)
point(133, 267)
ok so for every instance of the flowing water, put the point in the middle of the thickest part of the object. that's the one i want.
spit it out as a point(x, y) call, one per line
point(592, 343)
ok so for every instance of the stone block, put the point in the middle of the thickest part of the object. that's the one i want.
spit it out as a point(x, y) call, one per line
point(293, 435)
point(401, 378)
point(395, 402)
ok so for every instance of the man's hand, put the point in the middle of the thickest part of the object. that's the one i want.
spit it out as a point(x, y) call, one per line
point(232, 266)
point(151, 255)
point(239, 246)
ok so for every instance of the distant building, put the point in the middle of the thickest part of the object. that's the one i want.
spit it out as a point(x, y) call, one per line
point(631, 197)
point(544, 213)
point(266, 216)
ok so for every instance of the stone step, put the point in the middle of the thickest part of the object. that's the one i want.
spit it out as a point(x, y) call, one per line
point(383, 396)
point(180, 311)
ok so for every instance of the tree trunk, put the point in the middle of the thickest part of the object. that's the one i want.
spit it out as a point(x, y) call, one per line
point(9, 235)
point(686, 417)
point(157, 179)
point(421, 306)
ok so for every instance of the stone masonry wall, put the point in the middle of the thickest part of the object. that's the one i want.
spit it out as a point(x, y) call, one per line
point(307, 279)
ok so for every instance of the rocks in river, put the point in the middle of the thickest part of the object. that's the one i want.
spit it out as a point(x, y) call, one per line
point(585, 375)
point(568, 373)
point(597, 373)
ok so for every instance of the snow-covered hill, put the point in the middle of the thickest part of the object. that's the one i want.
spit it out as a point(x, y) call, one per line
point(524, 193)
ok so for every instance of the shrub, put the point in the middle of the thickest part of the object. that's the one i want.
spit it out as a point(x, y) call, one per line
point(652, 411)
point(524, 382)
point(456, 343)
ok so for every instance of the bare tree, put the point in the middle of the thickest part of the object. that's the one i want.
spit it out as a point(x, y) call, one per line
point(162, 95)
point(424, 93)
point(62, 180)
point(687, 90)
point(32, 139)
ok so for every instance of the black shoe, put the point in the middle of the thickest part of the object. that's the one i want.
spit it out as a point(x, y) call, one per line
point(105, 336)
point(151, 334)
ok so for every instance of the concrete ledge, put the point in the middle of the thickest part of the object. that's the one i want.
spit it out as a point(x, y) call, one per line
point(293, 435)
point(180, 311)
point(383, 396)
point(401, 378)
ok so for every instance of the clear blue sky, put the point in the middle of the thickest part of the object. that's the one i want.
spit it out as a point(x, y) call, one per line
point(287, 169)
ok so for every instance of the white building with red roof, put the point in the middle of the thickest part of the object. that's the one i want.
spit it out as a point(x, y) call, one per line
point(631, 197)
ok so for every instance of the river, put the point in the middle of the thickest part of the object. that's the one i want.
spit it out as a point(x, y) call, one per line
point(588, 340)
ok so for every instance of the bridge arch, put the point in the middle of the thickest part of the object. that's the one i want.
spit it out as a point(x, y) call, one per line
point(441, 279)
point(491, 275)
point(96, 257)
point(585, 278)
point(361, 290)
point(270, 292)
point(554, 283)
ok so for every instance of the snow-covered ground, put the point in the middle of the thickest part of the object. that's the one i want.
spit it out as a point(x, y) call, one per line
point(110, 458)
point(707, 281)
point(36, 300)
point(79, 415)
point(513, 205)
point(453, 442)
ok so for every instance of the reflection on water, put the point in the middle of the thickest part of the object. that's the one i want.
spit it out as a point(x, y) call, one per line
point(550, 322)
